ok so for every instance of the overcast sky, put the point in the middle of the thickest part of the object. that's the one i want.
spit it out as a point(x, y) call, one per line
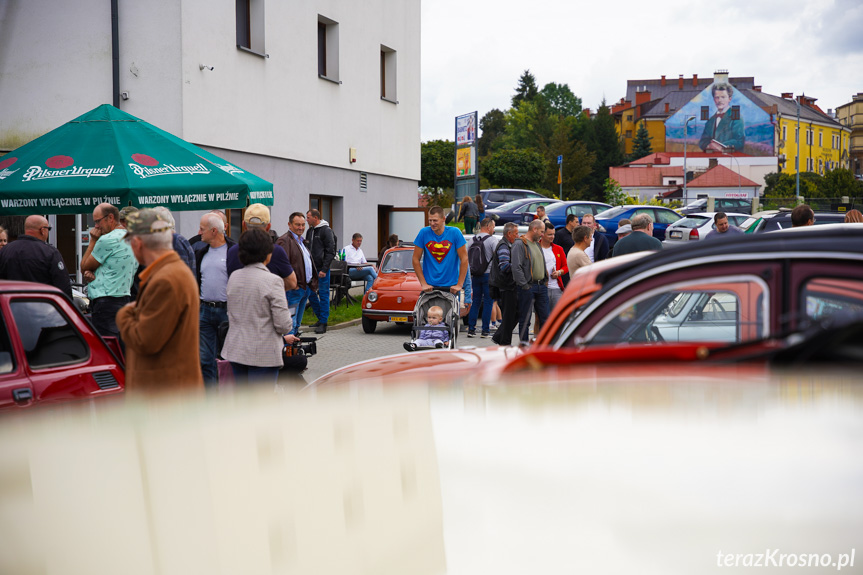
point(473, 51)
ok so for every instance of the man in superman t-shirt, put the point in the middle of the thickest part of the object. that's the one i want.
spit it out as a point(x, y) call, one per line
point(445, 263)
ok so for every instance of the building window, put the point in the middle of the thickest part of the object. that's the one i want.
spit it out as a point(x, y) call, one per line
point(821, 167)
point(629, 117)
point(735, 112)
point(629, 133)
point(328, 49)
point(388, 74)
point(250, 26)
point(820, 139)
point(784, 133)
point(796, 135)
point(705, 113)
point(323, 204)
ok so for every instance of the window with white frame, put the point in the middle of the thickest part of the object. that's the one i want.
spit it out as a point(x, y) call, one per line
point(784, 133)
point(388, 74)
point(250, 26)
point(328, 49)
point(820, 138)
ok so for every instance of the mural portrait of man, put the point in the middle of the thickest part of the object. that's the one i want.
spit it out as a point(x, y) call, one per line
point(724, 131)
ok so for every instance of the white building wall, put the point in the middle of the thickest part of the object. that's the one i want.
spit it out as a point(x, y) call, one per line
point(273, 116)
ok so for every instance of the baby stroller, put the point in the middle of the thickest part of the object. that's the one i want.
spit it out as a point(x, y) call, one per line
point(449, 303)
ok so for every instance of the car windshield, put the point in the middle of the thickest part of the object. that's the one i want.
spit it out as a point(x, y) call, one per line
point(398, 261)
point(690, 222)
point(614, 212)
point(558, 206)
point(697, 204)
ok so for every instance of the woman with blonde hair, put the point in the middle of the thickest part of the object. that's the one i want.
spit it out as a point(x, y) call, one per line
point(854, 217)
point(4, 237)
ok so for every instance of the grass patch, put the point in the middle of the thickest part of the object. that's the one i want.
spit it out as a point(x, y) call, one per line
point(338, 314)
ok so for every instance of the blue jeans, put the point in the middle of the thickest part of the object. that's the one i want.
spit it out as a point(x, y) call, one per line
point(367, 274)
point(480, 289)
point(246, 374)
point(297, 299)
point(320, 300)
point(210, 318)
point(530, 300)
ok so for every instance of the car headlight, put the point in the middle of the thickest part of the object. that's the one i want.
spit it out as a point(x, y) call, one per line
point(373, 297)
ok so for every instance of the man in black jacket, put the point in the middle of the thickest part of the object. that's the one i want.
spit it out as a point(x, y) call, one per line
point(322, 246)
point(30, 258)
point(500, 276)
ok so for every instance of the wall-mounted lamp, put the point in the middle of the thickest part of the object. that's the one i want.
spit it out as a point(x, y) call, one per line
point(124, 95)
point(203, 67)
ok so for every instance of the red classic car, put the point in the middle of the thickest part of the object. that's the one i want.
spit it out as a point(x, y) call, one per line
point(49, 352)
point(395, 291)
point(746, 293)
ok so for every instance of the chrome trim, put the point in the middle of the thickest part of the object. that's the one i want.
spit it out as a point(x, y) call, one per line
point(712, 259)
point(387, 312)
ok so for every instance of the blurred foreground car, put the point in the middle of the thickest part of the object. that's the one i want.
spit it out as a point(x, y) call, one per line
point(395, 292)
point(49, 352)
point(662, 218)
point(695, 227)
point(678, 305)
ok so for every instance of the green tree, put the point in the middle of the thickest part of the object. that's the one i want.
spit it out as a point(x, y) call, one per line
point(437, 171)
point(613, 193)
point(641, 143)
point(526, 90)
point(601, 139)
point(781, 185)
point(577, 162)
point(529, 125)
point(493, 127)
point(840, 182)
point(515, 168)
point(561, 101)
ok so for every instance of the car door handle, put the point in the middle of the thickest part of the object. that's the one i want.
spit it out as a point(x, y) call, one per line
point(22, 395)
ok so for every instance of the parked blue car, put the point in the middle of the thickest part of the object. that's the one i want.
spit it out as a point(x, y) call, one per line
point(662, 218)
point(557, 213)
point(518, 211)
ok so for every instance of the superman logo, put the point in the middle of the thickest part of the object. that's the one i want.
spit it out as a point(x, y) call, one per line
point(439, 250)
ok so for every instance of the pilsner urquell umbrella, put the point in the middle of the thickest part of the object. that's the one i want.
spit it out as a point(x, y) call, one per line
point(107, 155)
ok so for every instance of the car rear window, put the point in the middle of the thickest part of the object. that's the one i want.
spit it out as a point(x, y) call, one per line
point(614, 212)
point(46, 334)
point(690, 222)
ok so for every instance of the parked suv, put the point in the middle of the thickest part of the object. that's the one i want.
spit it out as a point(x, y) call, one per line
point(720, 205)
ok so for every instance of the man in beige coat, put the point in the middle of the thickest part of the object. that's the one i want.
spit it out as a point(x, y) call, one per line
point(160, 328)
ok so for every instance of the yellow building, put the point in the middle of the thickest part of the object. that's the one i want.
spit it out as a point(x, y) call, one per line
point(850, 115)
point(823, 142)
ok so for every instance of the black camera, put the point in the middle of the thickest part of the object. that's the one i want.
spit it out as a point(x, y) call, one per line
point(306, 346)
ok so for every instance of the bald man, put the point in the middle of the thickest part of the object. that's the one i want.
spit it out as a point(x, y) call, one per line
point(30, 258)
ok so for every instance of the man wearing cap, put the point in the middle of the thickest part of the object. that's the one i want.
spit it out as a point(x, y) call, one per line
point(112, 265)
point(322, 246)
point(161, 325)
point(31, 259)
point(212, 275)
point(258, 216)
point(641, 239)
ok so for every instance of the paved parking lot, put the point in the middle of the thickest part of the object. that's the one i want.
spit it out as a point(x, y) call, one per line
point(340, 347)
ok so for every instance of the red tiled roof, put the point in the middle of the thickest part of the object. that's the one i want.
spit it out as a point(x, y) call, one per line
point(644, 177)
point(663, 157)
point(721, 177)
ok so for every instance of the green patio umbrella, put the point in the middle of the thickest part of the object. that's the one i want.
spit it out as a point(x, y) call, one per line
point(107, 155)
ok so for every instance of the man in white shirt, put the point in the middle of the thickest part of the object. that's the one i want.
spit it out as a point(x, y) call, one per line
point(354, 256)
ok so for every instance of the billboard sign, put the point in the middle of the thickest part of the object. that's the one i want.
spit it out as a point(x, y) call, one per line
point(465, 129)
point(464, 162)
point(725, 121)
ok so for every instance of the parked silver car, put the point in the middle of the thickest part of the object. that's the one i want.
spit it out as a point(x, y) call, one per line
point(695, 227)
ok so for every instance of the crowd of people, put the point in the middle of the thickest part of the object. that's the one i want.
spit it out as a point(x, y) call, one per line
point(162, 295)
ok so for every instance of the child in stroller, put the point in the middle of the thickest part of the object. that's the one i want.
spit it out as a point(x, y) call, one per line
point(435, 321)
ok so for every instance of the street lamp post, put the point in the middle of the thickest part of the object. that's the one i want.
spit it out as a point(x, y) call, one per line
point(685, 138)
point(738, 171)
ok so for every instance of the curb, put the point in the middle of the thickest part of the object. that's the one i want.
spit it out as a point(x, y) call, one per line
point(342, 325)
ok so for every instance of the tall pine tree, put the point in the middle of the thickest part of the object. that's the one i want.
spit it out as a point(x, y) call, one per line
point(641, 143)
point(526, 89)
point(602, 140)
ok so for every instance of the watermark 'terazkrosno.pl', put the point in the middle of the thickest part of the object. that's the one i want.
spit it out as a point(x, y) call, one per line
point(775, 558)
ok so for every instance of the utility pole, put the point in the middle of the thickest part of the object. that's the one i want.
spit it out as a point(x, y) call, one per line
point(560, 176)
point(797, 159)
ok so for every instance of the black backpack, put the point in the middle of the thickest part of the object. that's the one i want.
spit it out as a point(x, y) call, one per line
point(476, 258)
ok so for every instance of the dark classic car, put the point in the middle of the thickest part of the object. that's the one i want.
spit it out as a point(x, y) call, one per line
point(49, 352)
point(677, 305)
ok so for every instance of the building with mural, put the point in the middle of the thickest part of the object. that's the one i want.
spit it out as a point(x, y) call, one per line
point(731, 116)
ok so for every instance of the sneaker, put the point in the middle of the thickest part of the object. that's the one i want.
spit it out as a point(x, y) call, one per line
point(471, 333)
point(321, 328)
point(485, 334)
point(440, 344)
point(410, 346)
point(316, 324)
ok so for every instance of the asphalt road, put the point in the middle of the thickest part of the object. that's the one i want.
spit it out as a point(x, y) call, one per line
point(343, 346)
